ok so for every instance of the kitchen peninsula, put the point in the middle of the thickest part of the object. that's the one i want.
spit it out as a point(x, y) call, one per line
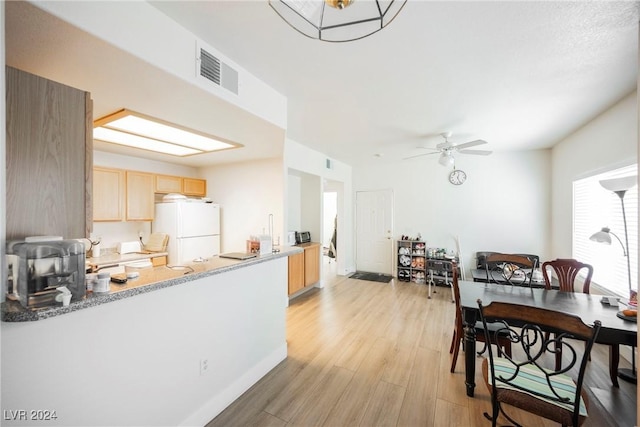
point(174, 348)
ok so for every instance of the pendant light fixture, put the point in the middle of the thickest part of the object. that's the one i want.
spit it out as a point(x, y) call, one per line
point(337, 20)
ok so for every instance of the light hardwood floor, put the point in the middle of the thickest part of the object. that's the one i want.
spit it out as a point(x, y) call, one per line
point(363, 353)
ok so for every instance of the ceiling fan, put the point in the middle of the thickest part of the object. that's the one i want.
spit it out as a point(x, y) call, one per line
point(447, 148)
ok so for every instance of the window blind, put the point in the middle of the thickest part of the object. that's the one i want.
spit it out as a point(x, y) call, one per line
point(594, 208)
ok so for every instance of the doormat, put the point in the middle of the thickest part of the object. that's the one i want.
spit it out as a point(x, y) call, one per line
point(372, 277)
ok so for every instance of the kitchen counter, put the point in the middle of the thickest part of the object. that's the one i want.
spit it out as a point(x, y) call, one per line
point(151, 279)
point(211, 333)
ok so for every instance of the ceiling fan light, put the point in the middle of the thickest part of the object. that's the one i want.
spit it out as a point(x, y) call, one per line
point(446, 159)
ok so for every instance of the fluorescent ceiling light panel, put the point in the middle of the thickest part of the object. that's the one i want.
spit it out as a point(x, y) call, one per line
point(137, 130)
point(122, 138)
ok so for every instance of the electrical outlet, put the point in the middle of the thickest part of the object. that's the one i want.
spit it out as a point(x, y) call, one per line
point(204, 366)
point(140, 234)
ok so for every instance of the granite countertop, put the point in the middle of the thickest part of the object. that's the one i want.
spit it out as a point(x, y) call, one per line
point(151, 279)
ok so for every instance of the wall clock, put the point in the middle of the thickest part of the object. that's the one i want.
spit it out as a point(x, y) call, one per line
point(457, 177)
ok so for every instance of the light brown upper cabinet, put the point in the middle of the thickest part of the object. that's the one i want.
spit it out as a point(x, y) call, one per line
point(168, 184)
point(49, 160)
point(108, 194)
point(194, 187)
point(140, 196)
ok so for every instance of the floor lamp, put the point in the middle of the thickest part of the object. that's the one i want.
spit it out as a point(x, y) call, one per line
point(620, 187)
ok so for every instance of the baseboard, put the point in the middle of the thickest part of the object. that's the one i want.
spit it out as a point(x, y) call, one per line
point(219, 403)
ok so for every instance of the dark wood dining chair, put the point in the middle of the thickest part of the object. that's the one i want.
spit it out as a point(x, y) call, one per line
point(510, 269)
point(527, 382)
point(566, 271)
point(502, 341)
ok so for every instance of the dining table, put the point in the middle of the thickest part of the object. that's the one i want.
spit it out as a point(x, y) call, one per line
point(615, 331)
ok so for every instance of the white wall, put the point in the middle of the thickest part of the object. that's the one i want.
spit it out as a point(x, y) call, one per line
point(142, 30)
point(503, 206)
point(136, 362)
point(247, 193)
point(303, 159)
point(608, 141)
point(294, 205)
point(112, 233)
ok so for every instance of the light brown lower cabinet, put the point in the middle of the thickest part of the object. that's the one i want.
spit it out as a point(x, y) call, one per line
point(311, 264)
point(304, 268)
point(158, 261)
point(296, 272)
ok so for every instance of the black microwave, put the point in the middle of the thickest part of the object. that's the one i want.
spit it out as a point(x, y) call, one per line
point(303, 237)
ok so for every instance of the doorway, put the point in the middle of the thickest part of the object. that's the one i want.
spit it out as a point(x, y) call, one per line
point(331, 221)
point(374, 231)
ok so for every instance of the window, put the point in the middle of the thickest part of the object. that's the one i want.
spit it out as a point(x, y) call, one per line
point(594, 207)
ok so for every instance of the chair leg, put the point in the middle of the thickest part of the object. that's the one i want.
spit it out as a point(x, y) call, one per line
point(453, 342)
point(507, 348)
point(456, 350)
point(614, 359)
point(558, 356)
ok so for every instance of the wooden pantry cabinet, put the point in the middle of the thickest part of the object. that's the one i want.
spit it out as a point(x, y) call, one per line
point(304, 268)
point(49, 159)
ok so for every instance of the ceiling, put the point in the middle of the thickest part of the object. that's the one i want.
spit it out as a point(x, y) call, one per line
point(520, 75)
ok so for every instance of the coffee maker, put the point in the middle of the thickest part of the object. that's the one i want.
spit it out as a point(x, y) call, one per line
point(43, 267)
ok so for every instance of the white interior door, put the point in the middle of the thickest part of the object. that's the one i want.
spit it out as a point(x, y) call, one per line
point(374, 242)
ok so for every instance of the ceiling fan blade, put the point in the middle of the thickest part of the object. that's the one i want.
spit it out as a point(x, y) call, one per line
point(477, 152)
point(420, 155)
point(471, 144)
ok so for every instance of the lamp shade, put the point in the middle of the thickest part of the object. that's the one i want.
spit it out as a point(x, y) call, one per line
point(619, 184)
point(602, 236)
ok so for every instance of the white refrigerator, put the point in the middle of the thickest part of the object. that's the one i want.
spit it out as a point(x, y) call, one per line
point(193, 228)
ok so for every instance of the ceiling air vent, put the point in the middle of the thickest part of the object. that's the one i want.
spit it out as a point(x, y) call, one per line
point(209, 66)
point(212, 69)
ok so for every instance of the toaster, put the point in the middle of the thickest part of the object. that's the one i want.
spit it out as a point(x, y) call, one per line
point(303, 237)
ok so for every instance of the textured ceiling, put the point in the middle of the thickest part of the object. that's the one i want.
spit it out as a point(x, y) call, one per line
point(520, 75)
